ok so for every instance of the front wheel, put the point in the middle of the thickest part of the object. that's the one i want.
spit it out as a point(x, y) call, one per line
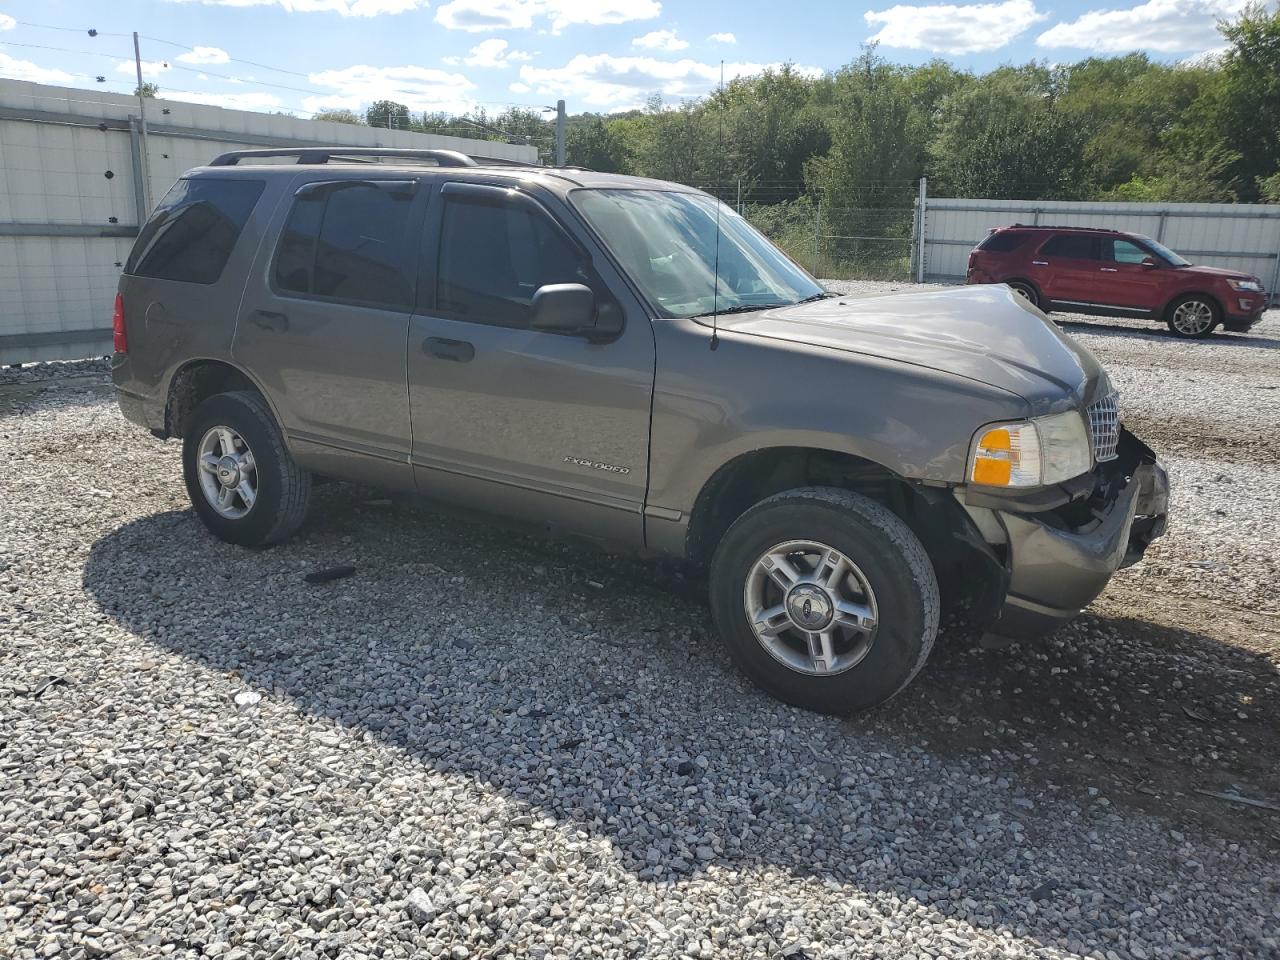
point(1026, 291)
point(239, 475)
point(825, 598)
point(1193, 317)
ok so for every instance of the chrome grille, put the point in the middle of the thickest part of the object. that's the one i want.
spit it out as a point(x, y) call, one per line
point(1104, 427)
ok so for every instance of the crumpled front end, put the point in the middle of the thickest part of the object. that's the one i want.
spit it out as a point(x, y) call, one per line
point(1060, 557)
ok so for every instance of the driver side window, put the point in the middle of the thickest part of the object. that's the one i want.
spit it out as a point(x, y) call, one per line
point(494, 257)
point(1123, 251)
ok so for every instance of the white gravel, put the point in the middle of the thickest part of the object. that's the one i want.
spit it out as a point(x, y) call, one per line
point(484, 745)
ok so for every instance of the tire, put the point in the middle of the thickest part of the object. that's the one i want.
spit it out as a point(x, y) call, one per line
point(282, 489)
point(891, 578)
point(1193, 317)
point(1027, 291)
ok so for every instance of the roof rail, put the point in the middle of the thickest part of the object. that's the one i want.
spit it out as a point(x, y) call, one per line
point(1054, 226)
point(318, 155)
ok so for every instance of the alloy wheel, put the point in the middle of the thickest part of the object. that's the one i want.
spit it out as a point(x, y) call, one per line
point(811, 607)
point(1193, 318)
point(228, 472)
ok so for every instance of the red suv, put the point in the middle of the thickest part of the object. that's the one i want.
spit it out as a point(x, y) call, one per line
point(1114, 274)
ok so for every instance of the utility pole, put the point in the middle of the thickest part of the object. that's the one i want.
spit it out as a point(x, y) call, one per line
point(142, 129)
point(922, 208)
point(560, 133)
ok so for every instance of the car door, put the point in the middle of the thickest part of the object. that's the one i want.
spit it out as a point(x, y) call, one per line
point(544, 426)
point(1066, 268)
point(1129, 277)
point(325, 318)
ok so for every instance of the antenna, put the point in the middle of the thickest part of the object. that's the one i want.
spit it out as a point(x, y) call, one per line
point(715, 289)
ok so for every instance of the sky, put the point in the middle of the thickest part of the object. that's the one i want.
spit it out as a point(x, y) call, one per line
point(303, 56)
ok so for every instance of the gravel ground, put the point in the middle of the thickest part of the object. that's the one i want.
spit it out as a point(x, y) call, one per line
point(484, 744)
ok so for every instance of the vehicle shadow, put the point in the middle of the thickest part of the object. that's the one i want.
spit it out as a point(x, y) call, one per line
point(495, 655)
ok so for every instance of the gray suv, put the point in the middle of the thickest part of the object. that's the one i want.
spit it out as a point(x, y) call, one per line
point(629, 361)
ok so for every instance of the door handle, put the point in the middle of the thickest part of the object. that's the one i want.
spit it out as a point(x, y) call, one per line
point(457, 350)
point(271, 320)
point(1109, 270)
point(1039, 263)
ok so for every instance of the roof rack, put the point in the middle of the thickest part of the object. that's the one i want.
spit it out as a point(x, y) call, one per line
point(319, 155)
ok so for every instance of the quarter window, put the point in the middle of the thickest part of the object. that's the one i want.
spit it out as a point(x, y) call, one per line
point(1072, 246)
point(494, 257)
point(194, 229)
point(1002, 242)
point(349, 240)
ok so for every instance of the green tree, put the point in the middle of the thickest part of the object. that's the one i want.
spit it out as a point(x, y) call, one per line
point(388, 114)
point(147, 89)
point(1269, 187)
point(1004, 136)
point(590, 142)
point(338, 116)
point(1250, 100)
point(878, 139)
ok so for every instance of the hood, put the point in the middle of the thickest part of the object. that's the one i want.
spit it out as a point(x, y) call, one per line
point(981, 332)
point(1216, 272)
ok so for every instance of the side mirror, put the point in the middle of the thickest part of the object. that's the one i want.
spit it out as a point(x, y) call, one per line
point(563, 308)
point(572, 308)
point(1149, 263)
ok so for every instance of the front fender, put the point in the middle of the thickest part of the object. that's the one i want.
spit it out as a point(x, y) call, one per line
point(754, 393)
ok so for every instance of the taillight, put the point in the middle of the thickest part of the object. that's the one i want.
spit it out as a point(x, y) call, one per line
point(119, 342)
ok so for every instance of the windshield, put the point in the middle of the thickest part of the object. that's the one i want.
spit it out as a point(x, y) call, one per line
point(666, 242)
point(1173, 258)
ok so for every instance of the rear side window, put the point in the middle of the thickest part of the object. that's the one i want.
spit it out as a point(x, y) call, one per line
point(1072, 246)
point(349, 240)
point(194, 229)
point(1002, 242)
point(493, 258)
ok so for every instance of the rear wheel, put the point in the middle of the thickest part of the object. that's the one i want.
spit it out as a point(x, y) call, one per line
point(1025, 290)
point(241, 480)
point(1193, 317)
point(825, 599)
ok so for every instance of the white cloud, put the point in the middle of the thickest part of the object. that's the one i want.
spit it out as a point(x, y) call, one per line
point(604, 80)
point(492, 53)
point(345, 8)
point(1165, 26)
point(418, 88)
point(519, 87)
point(478, 16)
point(150, 68)
point(7, 22)
point(723, 38)
point(205, 55)
point(660, 40)
point(14, 69)
point(952, 28)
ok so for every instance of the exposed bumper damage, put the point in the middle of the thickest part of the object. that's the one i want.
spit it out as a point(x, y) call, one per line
point(1058, 560)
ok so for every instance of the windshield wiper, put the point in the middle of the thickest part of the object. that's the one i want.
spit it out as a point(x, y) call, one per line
point(748, 307)
point(741, 308)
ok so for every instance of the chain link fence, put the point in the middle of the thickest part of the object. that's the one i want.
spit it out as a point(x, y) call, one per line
point(866, 241)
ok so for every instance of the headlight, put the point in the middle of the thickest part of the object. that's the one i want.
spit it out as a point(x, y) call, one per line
point(1031, 453)
point(1245, 286)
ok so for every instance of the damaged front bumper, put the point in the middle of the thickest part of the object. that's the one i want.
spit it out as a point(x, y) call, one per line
point(1059, 559)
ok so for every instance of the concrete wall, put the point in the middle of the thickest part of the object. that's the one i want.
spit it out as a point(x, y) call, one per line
point(70, 196)
point(1238, 236)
